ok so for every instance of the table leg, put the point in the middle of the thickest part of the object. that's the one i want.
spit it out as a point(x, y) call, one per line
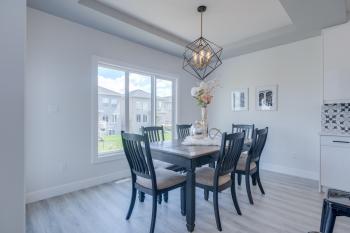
point(191, 198)
point(323, 215)
point(330, 220)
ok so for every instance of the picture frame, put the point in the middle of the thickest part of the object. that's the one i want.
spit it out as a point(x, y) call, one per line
point(240, 99)
point(266, 98)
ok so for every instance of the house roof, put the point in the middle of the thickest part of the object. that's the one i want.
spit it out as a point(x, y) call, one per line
point(105, 91)
point(140, 94)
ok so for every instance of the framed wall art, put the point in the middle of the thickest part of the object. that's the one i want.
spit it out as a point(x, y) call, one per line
point(266, 98)
point(240, 99)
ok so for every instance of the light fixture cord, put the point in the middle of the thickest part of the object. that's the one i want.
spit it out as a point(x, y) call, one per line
point(201, 24)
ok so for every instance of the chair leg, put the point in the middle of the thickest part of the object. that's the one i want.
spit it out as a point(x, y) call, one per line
point(239, 178)
point(141, 196)
point(216, 210)
point(206, 194)
point(132, 203)
point(247, 183)
point(183, 201)
point(160, 199)
point(154, 213)
point(233, 194)
point(254, 179)
point(259, 183)
point(166, 197)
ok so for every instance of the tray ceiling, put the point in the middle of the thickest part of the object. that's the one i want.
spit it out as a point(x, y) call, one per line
point(239, 26)
point(225, 21)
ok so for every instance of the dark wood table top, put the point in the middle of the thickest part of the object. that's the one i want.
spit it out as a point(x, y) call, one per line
point(191, 152)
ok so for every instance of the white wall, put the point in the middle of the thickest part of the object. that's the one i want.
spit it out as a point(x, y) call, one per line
point(12, 54)
point(59, 71)
point(293, 141)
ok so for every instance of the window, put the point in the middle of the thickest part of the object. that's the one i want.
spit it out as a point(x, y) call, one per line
point(105, 118)
point(127, 100)
point(164, 102)
point(145, 107)
point(138, 118)
point(140, 86)
point(114, 101)
point(114, 118)
point(105, 100)
point(138, 106)
point(111, 85)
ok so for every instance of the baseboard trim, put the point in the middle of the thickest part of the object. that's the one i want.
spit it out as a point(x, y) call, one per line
point(74, 186)
point(82, 184)
point(290, 171)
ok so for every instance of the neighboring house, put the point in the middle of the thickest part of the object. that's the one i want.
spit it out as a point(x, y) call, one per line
point(110, 107)
point(140, 110)
point(111, 117)
point(164, 111)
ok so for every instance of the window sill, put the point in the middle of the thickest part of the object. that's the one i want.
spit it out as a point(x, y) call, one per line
point(107, 157)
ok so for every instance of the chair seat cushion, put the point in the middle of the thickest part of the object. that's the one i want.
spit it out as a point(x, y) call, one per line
point(242, 162)
point(161, 164)
point(205, 176)
point(165, 179)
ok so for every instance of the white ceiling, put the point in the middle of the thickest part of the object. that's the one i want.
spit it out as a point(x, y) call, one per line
point(225, 21)
point(239, 26)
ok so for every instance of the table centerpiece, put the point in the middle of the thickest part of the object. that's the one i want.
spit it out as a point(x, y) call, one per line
point(204, 96)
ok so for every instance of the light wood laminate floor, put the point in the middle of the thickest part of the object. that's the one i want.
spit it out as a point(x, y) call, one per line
point(290, 205)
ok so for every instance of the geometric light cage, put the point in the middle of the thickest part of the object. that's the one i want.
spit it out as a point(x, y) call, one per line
point(201, 58)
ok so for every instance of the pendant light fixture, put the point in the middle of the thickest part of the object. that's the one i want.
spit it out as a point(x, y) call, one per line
point(202, 57)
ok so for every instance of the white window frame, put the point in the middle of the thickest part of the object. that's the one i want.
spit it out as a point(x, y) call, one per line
point(173, 102)
point(127, 68)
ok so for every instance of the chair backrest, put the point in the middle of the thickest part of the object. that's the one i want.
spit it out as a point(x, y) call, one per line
point(154, 133)
point(258, 144)
point(183, 131)
point(248, 129)
point(138, 153)
point(230, 151)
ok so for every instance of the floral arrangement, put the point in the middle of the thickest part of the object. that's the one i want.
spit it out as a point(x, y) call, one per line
point(204, 93)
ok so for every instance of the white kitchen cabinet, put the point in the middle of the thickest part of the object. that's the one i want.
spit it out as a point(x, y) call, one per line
point(335, 162)
point(336, 45)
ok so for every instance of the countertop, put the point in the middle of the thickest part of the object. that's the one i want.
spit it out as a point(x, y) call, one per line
point(336, 134)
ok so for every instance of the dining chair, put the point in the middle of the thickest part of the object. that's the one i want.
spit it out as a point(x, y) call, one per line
point(248, 129)
point(335, 205)
point(248, 164)
point(156, 134)
point(223, 175)
point(183, 131)
point(145, 177)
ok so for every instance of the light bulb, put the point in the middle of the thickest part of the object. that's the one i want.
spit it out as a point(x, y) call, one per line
point(208, 55)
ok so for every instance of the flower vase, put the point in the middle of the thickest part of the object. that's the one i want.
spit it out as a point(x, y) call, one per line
point(204, 121)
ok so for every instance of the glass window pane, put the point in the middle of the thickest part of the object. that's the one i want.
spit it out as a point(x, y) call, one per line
point(140, 102)
point(164, 104)
point(111, 105)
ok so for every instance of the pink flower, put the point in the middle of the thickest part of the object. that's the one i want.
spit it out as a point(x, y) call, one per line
point(203, 93)
point(206, 98)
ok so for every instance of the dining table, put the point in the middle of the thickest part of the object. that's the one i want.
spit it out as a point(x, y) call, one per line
point(188, 157)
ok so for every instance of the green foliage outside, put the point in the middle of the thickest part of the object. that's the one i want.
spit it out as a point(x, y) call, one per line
point(114, 142)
